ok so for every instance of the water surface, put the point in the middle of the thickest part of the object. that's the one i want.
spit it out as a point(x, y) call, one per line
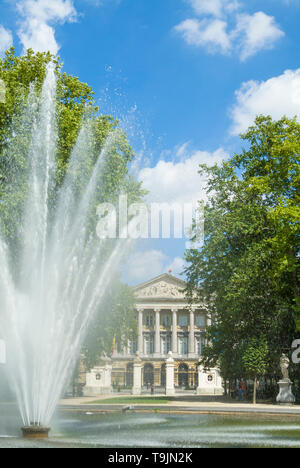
point(158, 430)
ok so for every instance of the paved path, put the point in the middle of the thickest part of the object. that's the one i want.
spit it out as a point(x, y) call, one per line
point(192, 405)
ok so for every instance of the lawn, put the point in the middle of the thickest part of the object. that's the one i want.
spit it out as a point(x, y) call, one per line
point(132, 401)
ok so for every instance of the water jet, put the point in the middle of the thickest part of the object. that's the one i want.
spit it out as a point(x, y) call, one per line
point(55, 281)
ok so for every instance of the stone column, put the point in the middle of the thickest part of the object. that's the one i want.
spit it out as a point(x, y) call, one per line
point(107, 377)
point(170, 384)
point(174, 331)
point(192, 334)
point(140, 332)
point(157, 333)
point(137, 376)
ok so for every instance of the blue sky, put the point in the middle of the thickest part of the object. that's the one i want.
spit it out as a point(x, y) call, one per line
point(187, 76)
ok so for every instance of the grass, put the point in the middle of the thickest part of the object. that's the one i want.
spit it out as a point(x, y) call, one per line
point(132, 401)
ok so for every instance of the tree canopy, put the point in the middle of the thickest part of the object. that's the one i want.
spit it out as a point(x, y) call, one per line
point(248, 268)
point(75, 105)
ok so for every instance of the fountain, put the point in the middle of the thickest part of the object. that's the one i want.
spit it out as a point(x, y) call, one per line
point(35, 432)
point(49, 295)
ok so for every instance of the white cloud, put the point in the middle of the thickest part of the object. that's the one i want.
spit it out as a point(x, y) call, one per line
point(179, 181)
point(220, 28)
point(36, 29)
point(256, 32)
point(206, 33)
point(176, 181)
point(145, 265)
point(177, 266)
point(6, 39)
point(277, 96)
point(214, 7)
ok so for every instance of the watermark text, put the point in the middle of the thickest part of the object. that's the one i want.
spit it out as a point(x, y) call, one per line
point(151, 221)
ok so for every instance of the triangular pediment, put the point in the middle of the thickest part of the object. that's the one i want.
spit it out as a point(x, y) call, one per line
point(162, 287)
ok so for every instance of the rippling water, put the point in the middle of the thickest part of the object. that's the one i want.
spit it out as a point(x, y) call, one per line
point(160, 430)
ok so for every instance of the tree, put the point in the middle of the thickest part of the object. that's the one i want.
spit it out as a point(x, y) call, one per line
point(75, 103)
point(255, 360)
point(248, 268)
point(271, 169)
point(75, 106)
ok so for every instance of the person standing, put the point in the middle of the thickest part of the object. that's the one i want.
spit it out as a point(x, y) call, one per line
point(240, 391)
point(243, 388)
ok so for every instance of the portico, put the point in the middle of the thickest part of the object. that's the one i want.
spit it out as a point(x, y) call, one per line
point(166, 323)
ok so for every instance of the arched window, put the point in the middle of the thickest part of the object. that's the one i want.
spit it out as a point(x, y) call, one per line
point(183, 375)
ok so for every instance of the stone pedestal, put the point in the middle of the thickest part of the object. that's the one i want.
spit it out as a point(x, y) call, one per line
point(285, 396)
point(170, 385)
point(209, 382)
point(35, 432)
point(137, 376)
point(98, 381)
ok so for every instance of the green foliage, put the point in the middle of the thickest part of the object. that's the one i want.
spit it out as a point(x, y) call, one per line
point(74, 98)
point(75, 105)
point(255, 357)
point(255, 360)
point(248, 268)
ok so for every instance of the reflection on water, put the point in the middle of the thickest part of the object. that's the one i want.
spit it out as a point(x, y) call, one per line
point(160, 430)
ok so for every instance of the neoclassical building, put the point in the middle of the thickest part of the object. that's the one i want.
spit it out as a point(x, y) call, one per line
point(166, 322)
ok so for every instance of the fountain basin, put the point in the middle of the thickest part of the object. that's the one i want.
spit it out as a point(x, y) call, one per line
point(35, 432)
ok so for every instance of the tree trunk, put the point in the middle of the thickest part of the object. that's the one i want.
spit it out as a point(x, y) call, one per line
point(254, 390)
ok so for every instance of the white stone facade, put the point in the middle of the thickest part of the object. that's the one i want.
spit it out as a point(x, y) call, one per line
point(98, 381)
point(166, 323)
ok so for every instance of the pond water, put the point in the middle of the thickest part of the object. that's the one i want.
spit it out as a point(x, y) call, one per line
point(154, 430)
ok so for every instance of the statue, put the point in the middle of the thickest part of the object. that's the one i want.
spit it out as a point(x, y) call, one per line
point(284, 366)
point(285, 396)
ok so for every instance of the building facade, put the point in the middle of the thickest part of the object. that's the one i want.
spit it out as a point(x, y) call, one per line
point(166, 322)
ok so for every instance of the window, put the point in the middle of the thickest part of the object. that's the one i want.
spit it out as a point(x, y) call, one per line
point(183, 345)
point(183, 321)
point(149, 320)
point(200, 321)
point(166, 321)
point(199, 345)
point(165, 344)
point(148, 345)
point(133, 348)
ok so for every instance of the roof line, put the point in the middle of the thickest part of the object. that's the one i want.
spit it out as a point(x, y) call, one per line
point(164, 275)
